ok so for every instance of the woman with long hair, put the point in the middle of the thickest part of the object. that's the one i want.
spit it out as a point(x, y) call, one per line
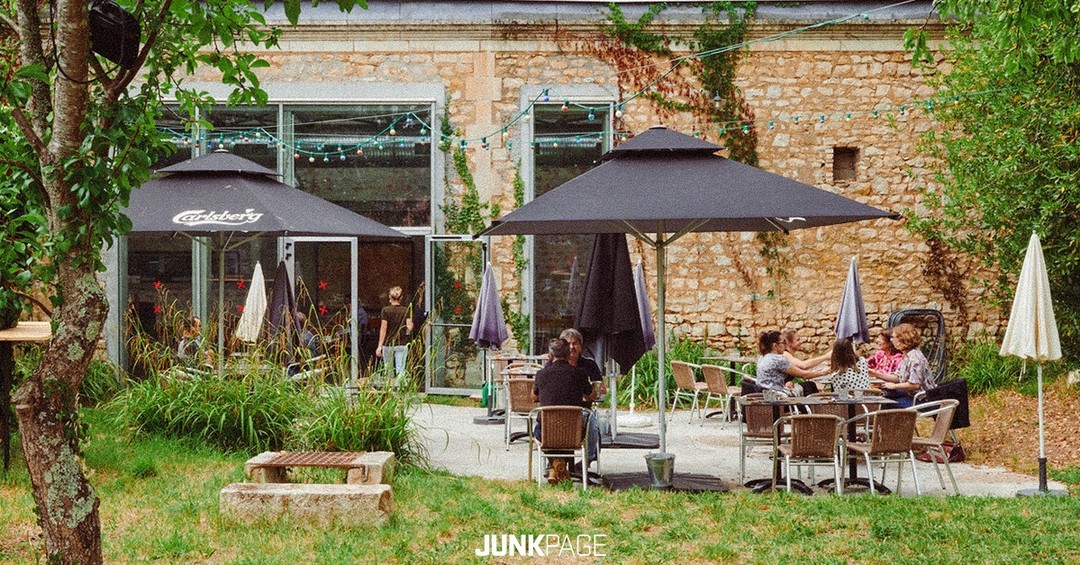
point(849, 371)
point(913, 374)
point(775, 372)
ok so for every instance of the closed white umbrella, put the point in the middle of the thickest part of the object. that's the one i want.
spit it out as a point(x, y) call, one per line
point(1032, 333)
point(851, 318)
point(247, 329)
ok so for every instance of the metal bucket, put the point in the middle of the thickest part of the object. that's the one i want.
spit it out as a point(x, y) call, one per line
point(661, 468)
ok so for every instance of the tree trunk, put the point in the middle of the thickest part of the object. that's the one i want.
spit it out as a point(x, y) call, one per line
point(47, 408)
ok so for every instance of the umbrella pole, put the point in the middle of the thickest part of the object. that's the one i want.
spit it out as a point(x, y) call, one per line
point(221, 312)
point(1042, 438)
point(661, 381)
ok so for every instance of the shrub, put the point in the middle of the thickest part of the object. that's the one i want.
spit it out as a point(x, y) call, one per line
point(250, 413)
point(645, 383)
point(372, 421)
point(103, 381)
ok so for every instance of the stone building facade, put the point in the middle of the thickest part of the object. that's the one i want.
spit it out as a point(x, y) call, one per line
point(839, 95)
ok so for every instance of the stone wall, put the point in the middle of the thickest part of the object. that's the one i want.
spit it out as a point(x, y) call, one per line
point(719, 285)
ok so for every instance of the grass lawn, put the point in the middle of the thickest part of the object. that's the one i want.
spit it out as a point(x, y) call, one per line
point(160, 503)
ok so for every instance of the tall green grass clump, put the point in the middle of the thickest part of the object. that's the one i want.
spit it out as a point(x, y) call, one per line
point(103, 381)
point(373, 420)
point(250, 413)
point(644, 391)
point(985, 369)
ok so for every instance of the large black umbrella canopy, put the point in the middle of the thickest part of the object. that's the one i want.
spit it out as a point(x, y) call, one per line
point(662, 185)
point(234, 199)
point(608, 318)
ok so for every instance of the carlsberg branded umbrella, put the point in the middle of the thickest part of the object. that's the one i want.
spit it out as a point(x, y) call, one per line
point(230, 199)
point(1032, 333)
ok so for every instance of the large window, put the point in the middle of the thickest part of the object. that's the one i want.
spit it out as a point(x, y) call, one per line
point(567, 144)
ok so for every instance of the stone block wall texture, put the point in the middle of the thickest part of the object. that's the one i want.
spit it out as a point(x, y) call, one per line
point(720, 287)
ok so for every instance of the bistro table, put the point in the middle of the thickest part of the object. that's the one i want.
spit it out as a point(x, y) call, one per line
point(23, 332)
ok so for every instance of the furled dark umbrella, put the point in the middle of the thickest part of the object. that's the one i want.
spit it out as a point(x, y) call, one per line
point(851, 318)
point(230, 200)
point(282, 327)
point(662, 185)
point(608, 318)
point(488, 331)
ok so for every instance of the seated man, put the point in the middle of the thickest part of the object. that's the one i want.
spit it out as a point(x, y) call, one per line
point(562, 384)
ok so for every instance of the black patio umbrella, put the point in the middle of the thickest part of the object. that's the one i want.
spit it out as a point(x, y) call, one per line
point(662, 185)
point(232, 200)
point(281, 320)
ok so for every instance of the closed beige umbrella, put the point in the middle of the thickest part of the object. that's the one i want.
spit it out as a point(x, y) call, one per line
point(251, 319)
point(1032, 333)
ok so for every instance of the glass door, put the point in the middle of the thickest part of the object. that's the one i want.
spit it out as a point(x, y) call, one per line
point(455, 265)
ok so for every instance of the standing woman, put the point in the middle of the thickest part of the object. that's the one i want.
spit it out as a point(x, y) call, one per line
point(394, 334)
point(913, 374)
point(775, 372)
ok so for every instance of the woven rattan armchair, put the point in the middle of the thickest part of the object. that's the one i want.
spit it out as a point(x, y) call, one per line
point(716, 383)
point(890, 441)
point(685, 386)
point(941, 412)
point(562, 435)
point(811, 440)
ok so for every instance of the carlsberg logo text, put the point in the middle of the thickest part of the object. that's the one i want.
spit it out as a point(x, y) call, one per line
point(226, 218)
point(543, 545)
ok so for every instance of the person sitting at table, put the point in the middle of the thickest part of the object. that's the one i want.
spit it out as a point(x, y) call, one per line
point(913, 374)
point(562, 384)
point(849, 371)
point(775, 372)
point(189, 350)
point(886, 359)
point(793, 344)
point(576, 358)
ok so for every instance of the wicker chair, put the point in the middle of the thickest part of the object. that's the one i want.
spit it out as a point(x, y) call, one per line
point(519, 404)
point(813, 440)
point(941, 411)
point(685, 386)
point(562, 435)
point(717, 386)
point(891, 435)
point(755, 427)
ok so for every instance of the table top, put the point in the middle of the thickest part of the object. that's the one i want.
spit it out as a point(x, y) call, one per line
point(27, 331)
point(809, 401)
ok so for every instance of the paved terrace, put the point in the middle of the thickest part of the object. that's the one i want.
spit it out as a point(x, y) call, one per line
point(454, 443)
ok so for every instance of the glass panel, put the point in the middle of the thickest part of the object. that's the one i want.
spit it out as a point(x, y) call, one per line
point(239, 266)
point(567, 145)
point(455, 358)
point(348, 156)
point(250, 133)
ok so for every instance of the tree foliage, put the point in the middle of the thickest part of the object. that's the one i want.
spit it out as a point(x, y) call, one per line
point(77, 134)
point(1009, 144)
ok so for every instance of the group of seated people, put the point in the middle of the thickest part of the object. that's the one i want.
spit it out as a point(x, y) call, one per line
point(568, 380)
point(898, 362)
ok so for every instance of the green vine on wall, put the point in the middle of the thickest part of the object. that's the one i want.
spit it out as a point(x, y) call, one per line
point(517, 317)
point(704, 87)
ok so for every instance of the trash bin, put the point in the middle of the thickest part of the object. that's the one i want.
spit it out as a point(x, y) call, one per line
point(661, 468)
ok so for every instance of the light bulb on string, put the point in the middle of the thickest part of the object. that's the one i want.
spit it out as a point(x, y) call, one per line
point(546, 97)
point(772, 125)
point(525, 116)
point(359, 151)
point(592, 116)
point(408, 121)
point(795, 118)
point(565, 106)
point(821, 119)
point(311, 159)
point(874, 114)
point(505, 134)
point(392, 131)
point(847, 117)
point(746, 129)
point(341, 157)
point(325, 158)
point(296, 156)
point(484, 143)
point(464, 144)
point(618, 111)
point(903, 111)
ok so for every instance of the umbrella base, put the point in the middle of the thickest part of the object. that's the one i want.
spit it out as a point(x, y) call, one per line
point(635, 421)
point(486, 420)
point(1038, 492)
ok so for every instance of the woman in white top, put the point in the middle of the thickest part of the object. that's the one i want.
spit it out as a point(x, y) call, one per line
point(849, 371)
point(792, 345)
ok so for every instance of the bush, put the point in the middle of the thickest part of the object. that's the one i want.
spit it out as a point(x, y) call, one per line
point(373, 421)
point(645, 383)
point(251, 413)
point(103, 381)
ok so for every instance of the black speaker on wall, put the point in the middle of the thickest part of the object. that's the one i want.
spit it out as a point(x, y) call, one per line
point(114, 33)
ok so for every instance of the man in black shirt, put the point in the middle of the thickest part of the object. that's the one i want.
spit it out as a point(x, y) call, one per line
point(562, 384)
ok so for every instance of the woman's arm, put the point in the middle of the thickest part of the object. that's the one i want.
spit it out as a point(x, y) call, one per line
point(808, 363)
point(795, 371)
point(887, 377)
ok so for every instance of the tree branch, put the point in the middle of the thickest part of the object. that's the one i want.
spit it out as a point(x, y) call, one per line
point(37, 302)
point(21, 165)
point(124, 79)
point(30, 48)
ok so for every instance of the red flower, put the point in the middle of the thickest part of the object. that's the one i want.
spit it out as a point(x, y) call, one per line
point(157, 308)
point(158, 285)
point(240, 284)
point(239, 308)
point(457, 309)
point(323, 310)
point(322, 285)
point(457, 285)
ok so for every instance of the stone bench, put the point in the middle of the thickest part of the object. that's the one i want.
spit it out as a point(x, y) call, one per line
point(319, 504)
point(361, 468)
